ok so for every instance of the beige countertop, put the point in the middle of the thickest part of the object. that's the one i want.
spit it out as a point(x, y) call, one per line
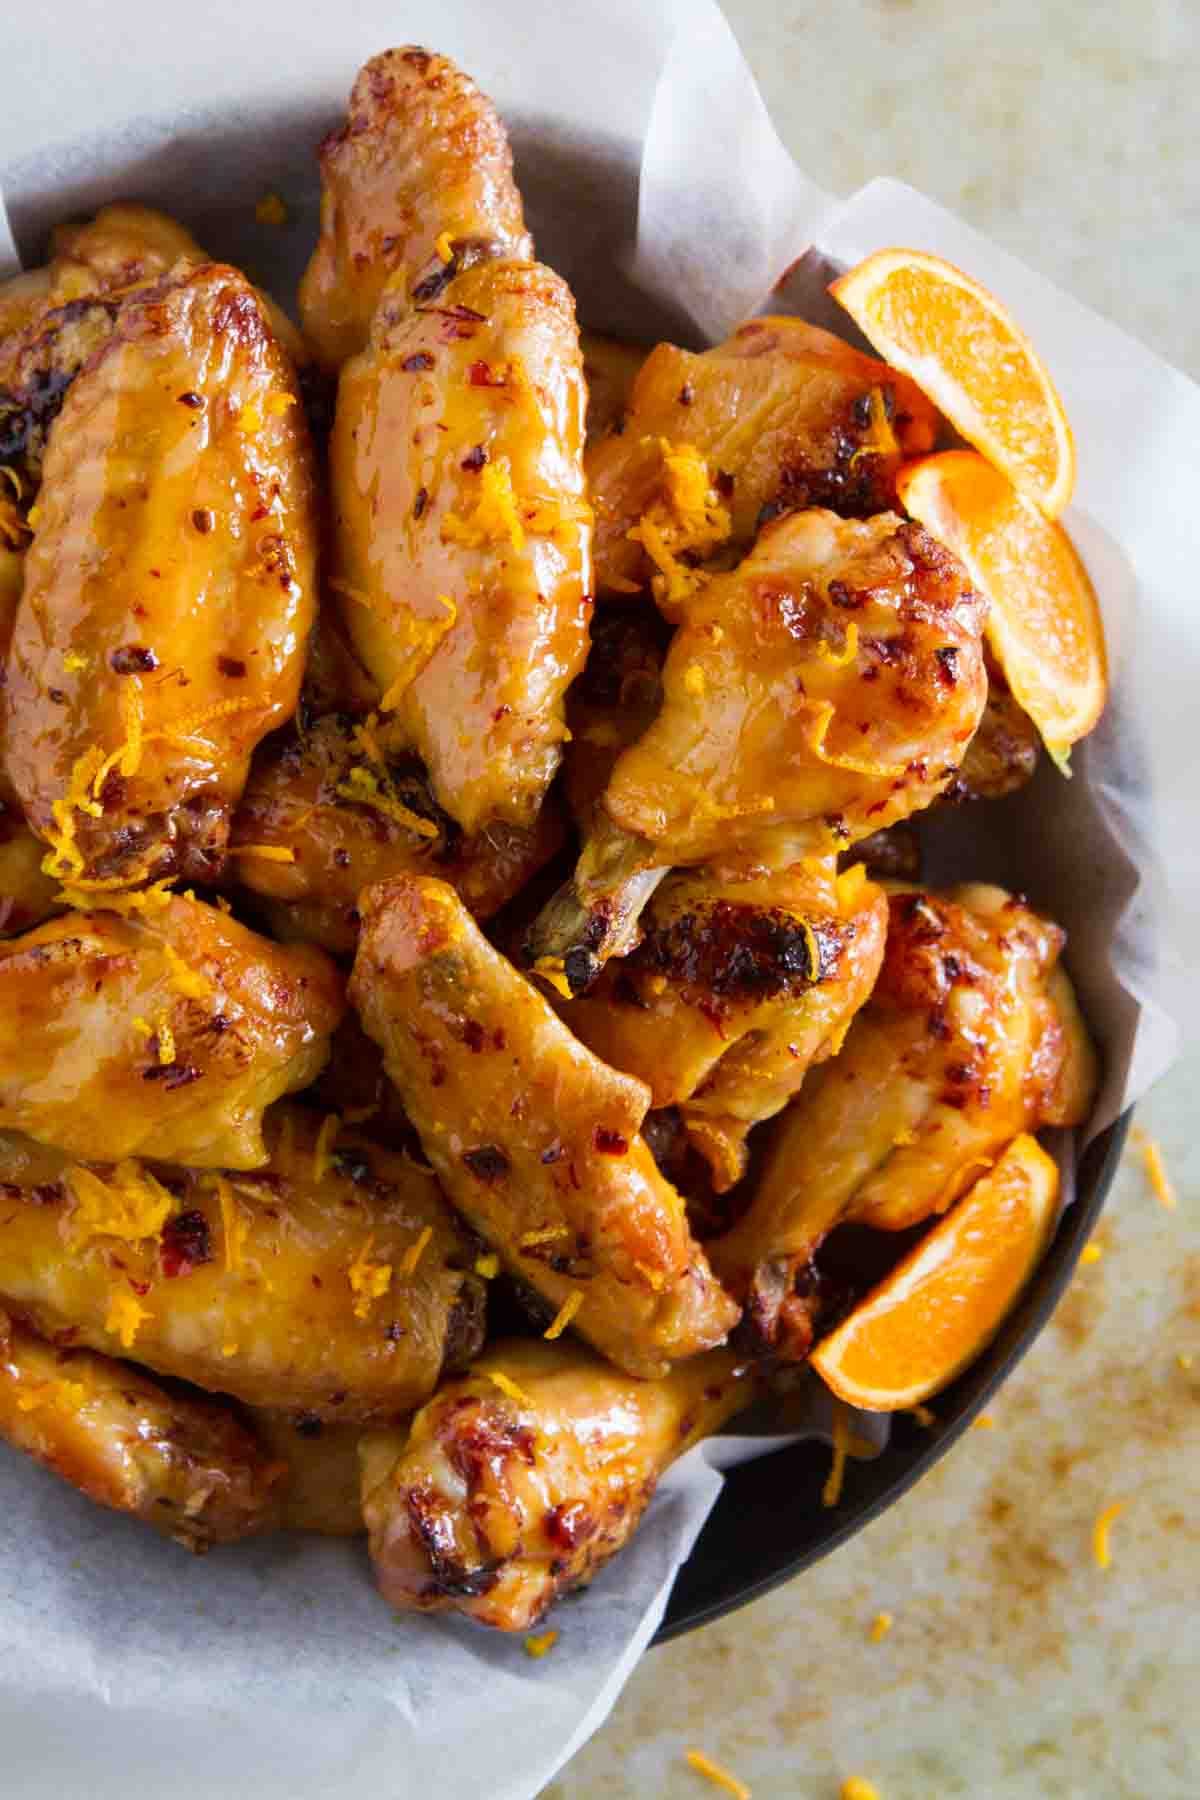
point(1015, 1669)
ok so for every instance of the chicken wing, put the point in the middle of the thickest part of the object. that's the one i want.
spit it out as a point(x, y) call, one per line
point(27, 893)
point(320, 1487)
point(462, 532)
point(168, 590)
point(533, 1138)
point(340, 815)
point(778, 418)
point(417, 182)
point(610, 368)
point(735, 991)
point(970, 1037)
point(165, 1034)
point(1003, 754)
point(826, 688)
point(334, 1281)
point(180, 1463)
point(520, 1480)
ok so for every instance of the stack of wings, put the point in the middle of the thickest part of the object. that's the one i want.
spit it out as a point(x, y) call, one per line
point(452, 979)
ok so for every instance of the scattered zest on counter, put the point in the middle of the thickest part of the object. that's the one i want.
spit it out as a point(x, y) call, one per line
point(1156, 1169)
point(541, 1644)
point(880, 1626)
point(1100, 1531)
point(720, 1777)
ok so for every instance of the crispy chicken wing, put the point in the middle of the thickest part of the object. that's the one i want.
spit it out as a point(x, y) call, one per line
point(1003, 754)
point(334, 1281)
point(970, 1037)
point(180, 1463)
point(735, 991)
point(168, 590)
point(418, 181)
point(520, 1480)
point(166, 1034)
point(533, 1138)
point(826, 688)
point(350, 816)
point(463, 535)
point(778, 418)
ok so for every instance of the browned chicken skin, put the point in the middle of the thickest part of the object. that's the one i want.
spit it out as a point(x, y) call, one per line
point(463, 535)
point(165, 1034)
point(168, 589)
point(319, 1487)
point(180, 1463)
point(782, 415)
point(826, 688)
point(735, 991)
point(1003, 754)
point(334, 1281)
point(27, 894)
point(609, 368)
point(520, 1480)
point(970, 1037)
point(417, 182)
point(533, 1138)
point(350, 816)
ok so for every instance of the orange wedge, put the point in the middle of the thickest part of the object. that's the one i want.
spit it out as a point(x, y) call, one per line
point(938, 1308)
point(1044, 622)
point(928, 319)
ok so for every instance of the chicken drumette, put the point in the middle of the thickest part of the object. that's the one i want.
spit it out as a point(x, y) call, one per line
point(971, 1036)
point(826, 688)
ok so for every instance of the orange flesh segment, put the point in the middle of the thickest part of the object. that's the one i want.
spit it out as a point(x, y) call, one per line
point(1044, 624)
point(962, 348)
point(938, 1308)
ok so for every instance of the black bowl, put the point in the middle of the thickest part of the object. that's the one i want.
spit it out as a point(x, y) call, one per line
point(754, 1541)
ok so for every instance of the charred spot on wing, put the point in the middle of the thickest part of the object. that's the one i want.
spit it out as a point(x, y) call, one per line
point(742, 952)
point(487, 1163)
point(42, 371)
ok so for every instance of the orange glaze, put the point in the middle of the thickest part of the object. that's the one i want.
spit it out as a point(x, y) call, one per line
point(533, 1138)
point(423, 156)
point(970, 1037)
point(168, 589)
point(256, 1285)
point(165, 1034)
point(519, 1480)
point(463, 534)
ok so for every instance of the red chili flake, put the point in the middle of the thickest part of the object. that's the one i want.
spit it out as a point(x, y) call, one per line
point(132, 659)
point(474, 459)
point(186, 1243)
point(420, 359)
point(482, 374)
point(611, 1143)
point(420, 502)
point(233, 666)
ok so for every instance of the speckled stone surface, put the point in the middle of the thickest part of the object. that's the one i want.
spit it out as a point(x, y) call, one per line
point(1015, 1668)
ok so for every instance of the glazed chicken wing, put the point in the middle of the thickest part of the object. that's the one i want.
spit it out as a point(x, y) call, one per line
point(970, 1037)
point(520, 1480)
point(826, 688)
point(609, 369)
point(342, 815)
point(534, 1139)
point(1003, 754)
point(165, 1034)
point(180, 1463)
point(27, 894)
point(417, 181)
point(333, 1282)
point(168, 589)
point(735, 991)
point(463, 535)
point(319, 1487)
point(778, 418)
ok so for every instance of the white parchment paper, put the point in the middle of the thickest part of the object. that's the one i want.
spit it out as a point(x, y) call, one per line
point(654, 180)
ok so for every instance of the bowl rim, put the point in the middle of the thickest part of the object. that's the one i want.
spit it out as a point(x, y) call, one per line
point(869, 1488)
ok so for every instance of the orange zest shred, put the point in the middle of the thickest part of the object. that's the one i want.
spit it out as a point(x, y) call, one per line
point(184, 979)
point(369, 1281)
point(923, 1416)
point(496, 515)
point(488, 1266)
point(507, 1385)
point(127, 757)
point(552, 969)
point(564, 1315)
point(65, 857)
point(165, 1038)
point(113, 896)
point(1156, 1169)
point(685, 519)
point(984, 1422)
point(547, 1235)
point(365, 788)
point(125, 1318)
point(716, 1773)
point(233, 1223)
point(323, 1148)
point(443, 247)
point(74, 662)
point(412, 1256)
point(881, 1624)
point(279, 404)
point(249, 419)
point(276, 853)
point(882, 441)
point(539, 1645)
point(1100, 1531)
point(838, 659)
point(856, 1787)
point(831, 1493)
point(1091, 1253)
point(129, 1203)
